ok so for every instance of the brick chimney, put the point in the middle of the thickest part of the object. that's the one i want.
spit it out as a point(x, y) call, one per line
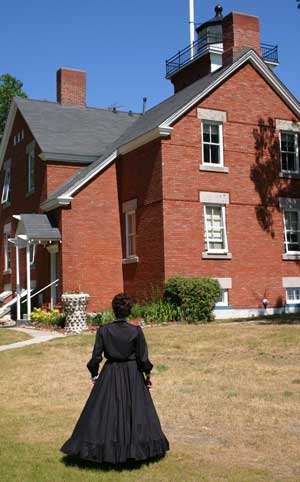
point(239, 30)
point(71, 86)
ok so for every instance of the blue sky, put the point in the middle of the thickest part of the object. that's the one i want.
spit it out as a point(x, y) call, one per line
point(123, 45)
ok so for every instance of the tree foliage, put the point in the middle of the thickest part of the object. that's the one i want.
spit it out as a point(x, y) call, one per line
point(9, 88)
point(298, 3)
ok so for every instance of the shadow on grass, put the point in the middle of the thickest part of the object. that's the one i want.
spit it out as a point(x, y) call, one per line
point(283, 319)
point(70, 461)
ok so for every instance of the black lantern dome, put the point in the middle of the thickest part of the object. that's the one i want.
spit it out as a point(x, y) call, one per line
point(211, 31)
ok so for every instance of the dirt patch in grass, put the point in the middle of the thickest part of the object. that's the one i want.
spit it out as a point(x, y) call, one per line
point(8, 336)
point(228, 397)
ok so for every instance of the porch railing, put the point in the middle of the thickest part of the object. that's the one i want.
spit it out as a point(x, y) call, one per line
point(43, 289)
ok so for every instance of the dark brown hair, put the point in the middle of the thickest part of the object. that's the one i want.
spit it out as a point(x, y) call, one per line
point(122, 304)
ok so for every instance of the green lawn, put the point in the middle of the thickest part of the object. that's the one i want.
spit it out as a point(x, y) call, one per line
point(228, 396)
point(8, 336)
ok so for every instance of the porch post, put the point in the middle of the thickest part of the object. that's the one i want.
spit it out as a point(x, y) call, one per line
point(18, 282)
point(52, 278)
point(28, 280)
point(53, 250)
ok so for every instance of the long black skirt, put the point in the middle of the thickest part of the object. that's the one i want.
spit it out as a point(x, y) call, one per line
point(119, 422)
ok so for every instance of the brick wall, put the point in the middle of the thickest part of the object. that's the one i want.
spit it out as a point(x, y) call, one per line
point(255, 231)
point(91, 245)
point(140, 176)
point(58, 173)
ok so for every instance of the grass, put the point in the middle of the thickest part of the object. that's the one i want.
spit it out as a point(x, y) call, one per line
point(228, 397)
point(8, 336)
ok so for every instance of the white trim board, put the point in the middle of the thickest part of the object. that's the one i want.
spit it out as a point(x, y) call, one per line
point(7, 130)
point(225, 313)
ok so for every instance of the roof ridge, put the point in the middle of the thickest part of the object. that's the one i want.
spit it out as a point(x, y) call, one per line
point(75, 106)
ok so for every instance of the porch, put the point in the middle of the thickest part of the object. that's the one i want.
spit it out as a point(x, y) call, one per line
point(34, 230)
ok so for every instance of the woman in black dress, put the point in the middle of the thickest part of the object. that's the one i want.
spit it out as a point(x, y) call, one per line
point(119, 422)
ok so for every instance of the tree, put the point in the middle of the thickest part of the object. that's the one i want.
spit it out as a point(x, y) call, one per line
point(298, 3)
point(9, 87)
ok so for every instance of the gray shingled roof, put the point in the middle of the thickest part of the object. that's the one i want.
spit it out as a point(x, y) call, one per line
point(37, 226)
point(68, 129)
point(151, 119)
point(155, 117)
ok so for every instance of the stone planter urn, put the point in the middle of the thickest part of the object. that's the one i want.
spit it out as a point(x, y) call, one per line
point(75, 305)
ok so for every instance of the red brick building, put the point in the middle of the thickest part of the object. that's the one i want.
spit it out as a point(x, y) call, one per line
point(207, 183)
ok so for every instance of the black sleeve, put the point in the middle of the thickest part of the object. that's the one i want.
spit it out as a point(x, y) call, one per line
point(93, 364)
point(142, 359)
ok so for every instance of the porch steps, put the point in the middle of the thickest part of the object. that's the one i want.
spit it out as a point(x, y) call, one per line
point(7, 322)
point(5, 309)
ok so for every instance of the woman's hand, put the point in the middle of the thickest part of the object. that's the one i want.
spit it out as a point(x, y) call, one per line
point(94, 379)
point(148, 382)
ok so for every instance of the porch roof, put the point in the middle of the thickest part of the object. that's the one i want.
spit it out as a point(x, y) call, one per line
point(36, 228)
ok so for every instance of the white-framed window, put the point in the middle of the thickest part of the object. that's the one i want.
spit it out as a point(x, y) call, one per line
point(6, 186)
point(130, 233)
point(223, 300)
point(292, 295)
point(7, 247)
point(289, 151)
point(31, 170)
point(291, 221)
point(215, 228)
point(212, 143)
point(129, 212)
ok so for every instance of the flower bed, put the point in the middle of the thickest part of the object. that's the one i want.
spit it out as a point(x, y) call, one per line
point(47, 318)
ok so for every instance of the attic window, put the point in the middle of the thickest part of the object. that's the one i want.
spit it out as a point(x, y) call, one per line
point(19, 137)
point(30, 167)
point(6, 185)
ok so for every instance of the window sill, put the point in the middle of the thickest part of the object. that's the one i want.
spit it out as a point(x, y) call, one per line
point(132, 259)
point(206, 255)
point(291, 257)
point(290, 175)
point(213, 168)
point(7, 271)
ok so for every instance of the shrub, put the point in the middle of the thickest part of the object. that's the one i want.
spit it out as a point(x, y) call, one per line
point(196, 297)
point(156, 311)
point(101, 318)
point(49, 317)
point(137, 311)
